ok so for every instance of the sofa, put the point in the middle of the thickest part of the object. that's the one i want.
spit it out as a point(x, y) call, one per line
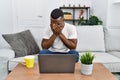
point(103, 43)
point(97, 39)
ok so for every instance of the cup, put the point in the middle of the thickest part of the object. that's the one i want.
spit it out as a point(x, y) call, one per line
point(29, 61)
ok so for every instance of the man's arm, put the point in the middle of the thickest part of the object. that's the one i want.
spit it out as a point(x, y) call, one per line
point(70, 43)
point(47, 43)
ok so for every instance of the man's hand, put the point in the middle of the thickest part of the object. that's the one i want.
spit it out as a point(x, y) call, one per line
point(53, 28)
point(57, 29)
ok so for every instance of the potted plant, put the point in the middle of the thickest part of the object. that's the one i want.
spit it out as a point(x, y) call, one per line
point(87, 63)
point(93, 20)
point(67, 15)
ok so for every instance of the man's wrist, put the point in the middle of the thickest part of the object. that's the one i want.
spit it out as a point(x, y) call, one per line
point(60, 34)
point(54, 34)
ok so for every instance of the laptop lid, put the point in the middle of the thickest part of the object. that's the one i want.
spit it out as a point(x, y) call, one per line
point(56, 63)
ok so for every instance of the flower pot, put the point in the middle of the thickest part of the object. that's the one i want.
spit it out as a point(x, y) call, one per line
point(67, 16)
point(86, 69)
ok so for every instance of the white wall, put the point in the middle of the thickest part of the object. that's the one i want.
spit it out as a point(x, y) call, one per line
point(26, 10)
point(6, 24)
point(6, 16)
point(108, 12)
point(104, 9)
point(99, 8)
point(113, 20)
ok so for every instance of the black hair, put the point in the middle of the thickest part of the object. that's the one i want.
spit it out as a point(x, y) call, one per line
point(56, 13)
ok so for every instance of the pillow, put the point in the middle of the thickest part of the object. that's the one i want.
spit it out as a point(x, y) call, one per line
point(3, 43)
point(112, 39)
point(22, 43)
point(90, 38)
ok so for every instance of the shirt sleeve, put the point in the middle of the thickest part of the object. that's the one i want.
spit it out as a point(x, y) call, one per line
point(47, 33)
point(72, 32)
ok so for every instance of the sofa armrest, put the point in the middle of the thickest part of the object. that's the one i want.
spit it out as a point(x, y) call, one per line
point(7, 52)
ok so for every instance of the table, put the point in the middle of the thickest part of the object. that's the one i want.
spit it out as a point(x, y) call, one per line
point(20, 72)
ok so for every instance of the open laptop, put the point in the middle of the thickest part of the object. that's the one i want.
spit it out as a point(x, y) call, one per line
point(56, 63)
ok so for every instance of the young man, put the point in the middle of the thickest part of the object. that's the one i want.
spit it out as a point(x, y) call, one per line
point(60, 37)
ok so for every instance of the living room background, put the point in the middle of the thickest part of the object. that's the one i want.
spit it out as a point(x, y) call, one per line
point(102, 40)
point(17, 15)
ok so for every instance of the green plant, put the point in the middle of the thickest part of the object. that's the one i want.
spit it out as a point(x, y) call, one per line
point(67, 13)
point(87, 58)
point(93, 20)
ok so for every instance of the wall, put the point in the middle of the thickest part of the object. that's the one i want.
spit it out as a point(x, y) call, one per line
point(104, 9)
point(99, 8)
point(6, 24)
point(113, 20)
point(29, 10)
point(5, 16)
point(108, 12)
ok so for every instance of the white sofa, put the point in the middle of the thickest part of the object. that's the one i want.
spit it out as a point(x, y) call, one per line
point(90, 38)
point(102, 43)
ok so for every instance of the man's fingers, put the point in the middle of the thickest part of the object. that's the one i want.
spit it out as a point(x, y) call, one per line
point(54, 26)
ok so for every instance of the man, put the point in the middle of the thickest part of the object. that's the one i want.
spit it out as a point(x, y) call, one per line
point(60, 37)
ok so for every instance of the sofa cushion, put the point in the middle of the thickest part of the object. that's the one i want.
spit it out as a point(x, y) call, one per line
point(114, 53)
point(90, 38)
point(102, 57)
point(110, 62)
point(3, 43)
point(112, 39)
point(22, 43)
point(37, 33)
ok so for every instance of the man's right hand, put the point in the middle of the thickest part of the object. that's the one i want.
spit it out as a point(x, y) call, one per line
point(53, 28)
point(56, 29)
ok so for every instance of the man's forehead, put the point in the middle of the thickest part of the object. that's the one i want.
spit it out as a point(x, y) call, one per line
point(56, 19)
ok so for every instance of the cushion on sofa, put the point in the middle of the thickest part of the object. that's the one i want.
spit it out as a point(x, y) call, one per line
point(90, 38)
point(38, 33)
point(22, 43)
point(102, 57)
point(112, 39)
point(3, 43)
point(114, 53)
point(112, 63)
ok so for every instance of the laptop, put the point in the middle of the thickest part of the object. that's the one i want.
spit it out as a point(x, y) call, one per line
point(56, 63)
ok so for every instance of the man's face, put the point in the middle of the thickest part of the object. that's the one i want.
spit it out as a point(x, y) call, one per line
point(58, 22)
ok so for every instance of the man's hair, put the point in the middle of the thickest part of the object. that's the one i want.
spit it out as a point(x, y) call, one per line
point(56, 13)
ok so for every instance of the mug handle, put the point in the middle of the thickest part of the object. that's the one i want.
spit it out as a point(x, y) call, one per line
point(23, 62)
